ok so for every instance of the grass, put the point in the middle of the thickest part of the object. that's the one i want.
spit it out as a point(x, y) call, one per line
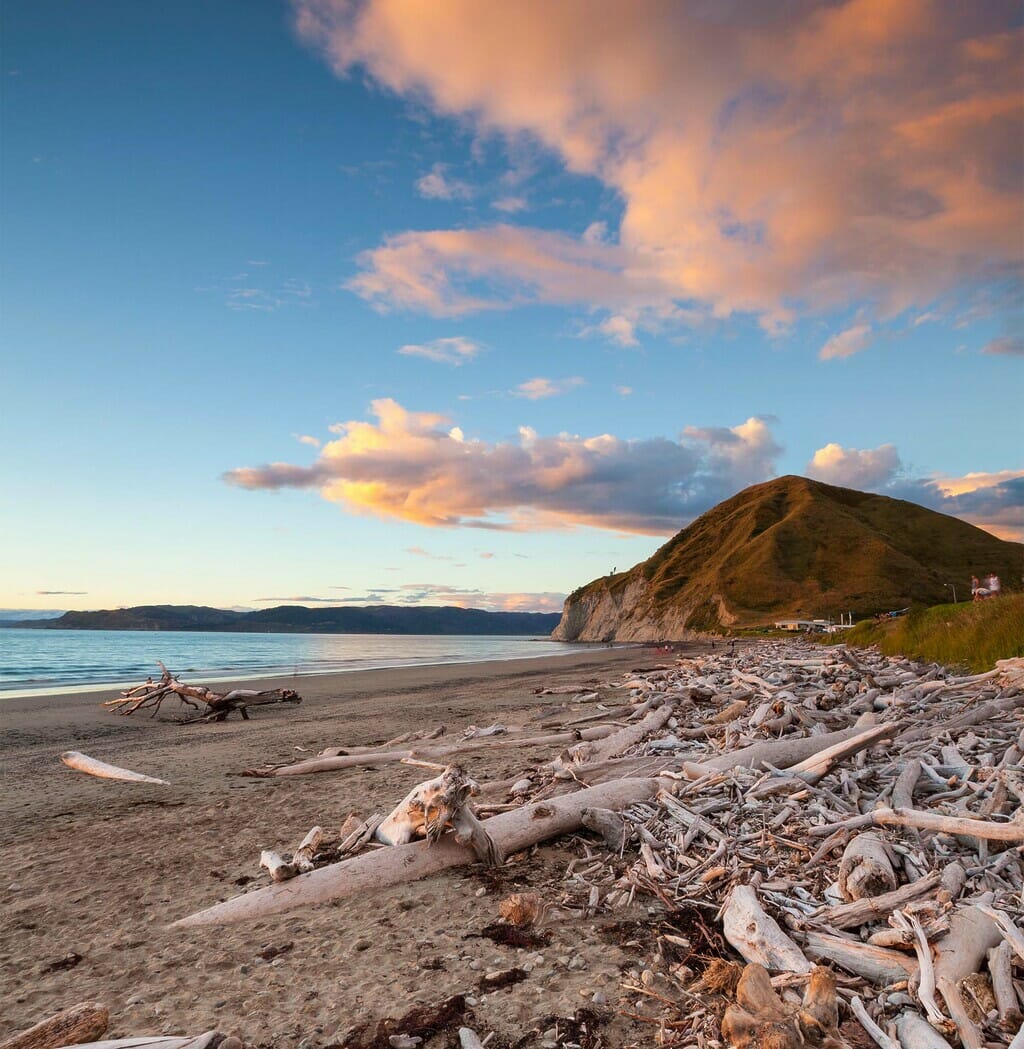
point(972, 635)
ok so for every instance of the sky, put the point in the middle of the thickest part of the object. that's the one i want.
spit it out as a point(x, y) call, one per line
point(461, 303)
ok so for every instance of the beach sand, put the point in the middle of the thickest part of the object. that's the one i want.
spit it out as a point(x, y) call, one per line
point(99, 868)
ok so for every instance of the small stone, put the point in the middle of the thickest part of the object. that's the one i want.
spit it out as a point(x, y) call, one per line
point(471, 1001)
point(482, 891)
point(599, 998)
point(474, 965)
point(527, 967)
point(244, 969)
point(362, 944)
point(136, 999)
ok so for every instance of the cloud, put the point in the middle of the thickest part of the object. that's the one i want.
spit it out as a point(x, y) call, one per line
point(537, 389)
point(407, 466)
point(63, 593)
point(305, 438)
point(301, 600)
point(454, 350)
point(435, 185)
point(853, 468)
point(510, 205)
point(1005, 345)
point(846, 343)
point(418, 551)
point(855, 115)
point(439, 593)
point(617, 328)
point(994, 501)
point(624, 391)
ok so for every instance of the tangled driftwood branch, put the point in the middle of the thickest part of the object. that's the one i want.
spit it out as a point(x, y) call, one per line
point(218, 705)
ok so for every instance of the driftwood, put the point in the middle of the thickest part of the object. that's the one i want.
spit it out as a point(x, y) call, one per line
point(209, 1040)
point(873, 908)
point(876, 964)
point(511, 832)
point(865, 869)
point(915, 1032)
point(75, 759)
point(758, 937)
point(81, 1023)
point(218, 705)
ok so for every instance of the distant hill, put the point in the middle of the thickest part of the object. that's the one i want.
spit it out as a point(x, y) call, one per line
point(297, 619)
point(792, 547)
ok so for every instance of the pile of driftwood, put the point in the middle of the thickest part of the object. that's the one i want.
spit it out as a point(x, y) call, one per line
point(850, 824)
point(210, 705)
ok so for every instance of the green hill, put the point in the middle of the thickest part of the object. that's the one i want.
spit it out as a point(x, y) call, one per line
point(790, 548)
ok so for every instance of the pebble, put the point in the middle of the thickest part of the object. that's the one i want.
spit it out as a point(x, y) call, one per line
point(136, 999)
point(599, 998)
point(362, 944)
point(471, 1001)
point(474, 965)
point(482, 891)
point(549, 1039)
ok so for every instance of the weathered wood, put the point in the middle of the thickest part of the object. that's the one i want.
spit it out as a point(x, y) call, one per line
point(972, 934)
point(877, 964)
point(84, 1022)
point(75, 759)
point(758, 937)
point(915, 1032)
point(875, 908)
point(971, 828)
point(865, 869)
point(511, 832)
point(999, 968)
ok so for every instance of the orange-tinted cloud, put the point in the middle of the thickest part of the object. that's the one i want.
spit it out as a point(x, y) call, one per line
point(769, 158)
point(415, 466)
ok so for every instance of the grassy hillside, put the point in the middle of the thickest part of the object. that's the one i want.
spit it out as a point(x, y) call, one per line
point(794, 547)
point(973, 635)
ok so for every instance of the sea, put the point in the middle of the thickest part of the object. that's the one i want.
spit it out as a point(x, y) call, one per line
point(45, 661)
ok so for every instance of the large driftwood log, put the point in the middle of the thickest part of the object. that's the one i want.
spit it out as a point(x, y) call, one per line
point(972, 934)
point(757, 936)
point(75, 759)
point(511, 832)
point(209, 1040)
point(876, 964)
point(915, 1032)
point(970, 828)
point(151, 694)
point(865, 869)
point(874, 908)
point(625, 738)
point(81, 1023)
point(814, 768)
point(780, 753)
point(438, 805)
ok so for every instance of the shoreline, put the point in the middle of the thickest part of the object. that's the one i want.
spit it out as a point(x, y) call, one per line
point(232, 678)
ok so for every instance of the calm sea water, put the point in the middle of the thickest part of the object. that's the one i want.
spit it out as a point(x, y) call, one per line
point(56, 660)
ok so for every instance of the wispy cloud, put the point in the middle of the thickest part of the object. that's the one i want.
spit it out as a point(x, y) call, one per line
point(846, 343)
point(539, 388)
point(62, 593)
point(510, 205)
point(436, 185)
point(305, 438)
point(1005, 346)
point(855, 116)
point(301, 599)
point(624, 391)
point(455, 350)
point(407, 465)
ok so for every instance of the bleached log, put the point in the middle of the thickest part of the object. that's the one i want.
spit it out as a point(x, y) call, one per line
point(510, 831)
point(758, 937)
point(80, 1023)
point(610, 825)
point(75, 759)
point(780, 753)
point(876, 964)
point(977, 716)
point(1013, 935)
point(873, 908)
point(617, 742)
point(865, 869)
point(972, 934)
point(915, 1032)
point(1002, 986)
point(441, 752)
point(279, 868)
point(926, 968)
point(814, 768)
point(960, 825)
point(302, 859)
point(202, 1041)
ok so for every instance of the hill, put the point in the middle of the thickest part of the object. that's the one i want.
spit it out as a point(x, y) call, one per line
point(298, 619)
point(791, 547)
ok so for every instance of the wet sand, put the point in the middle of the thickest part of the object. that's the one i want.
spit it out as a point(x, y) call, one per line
point(99, 868)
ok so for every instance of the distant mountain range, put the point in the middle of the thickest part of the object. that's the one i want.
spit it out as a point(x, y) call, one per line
point(298, 619)
point(795, 548)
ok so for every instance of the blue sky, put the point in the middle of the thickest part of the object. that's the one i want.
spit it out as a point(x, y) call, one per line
point(224, 221)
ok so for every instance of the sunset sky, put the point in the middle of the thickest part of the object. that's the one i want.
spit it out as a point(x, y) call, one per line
point(469, 302)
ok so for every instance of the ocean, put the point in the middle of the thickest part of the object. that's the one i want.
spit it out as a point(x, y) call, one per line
point(64, 660)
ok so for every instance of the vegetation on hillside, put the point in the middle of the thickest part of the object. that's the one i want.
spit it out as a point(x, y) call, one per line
point(973, 635)
point(794, 547)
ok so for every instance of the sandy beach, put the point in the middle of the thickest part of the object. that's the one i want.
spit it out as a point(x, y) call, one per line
point(98, 869)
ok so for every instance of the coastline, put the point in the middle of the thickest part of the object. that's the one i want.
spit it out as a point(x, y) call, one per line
point(100, 868)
